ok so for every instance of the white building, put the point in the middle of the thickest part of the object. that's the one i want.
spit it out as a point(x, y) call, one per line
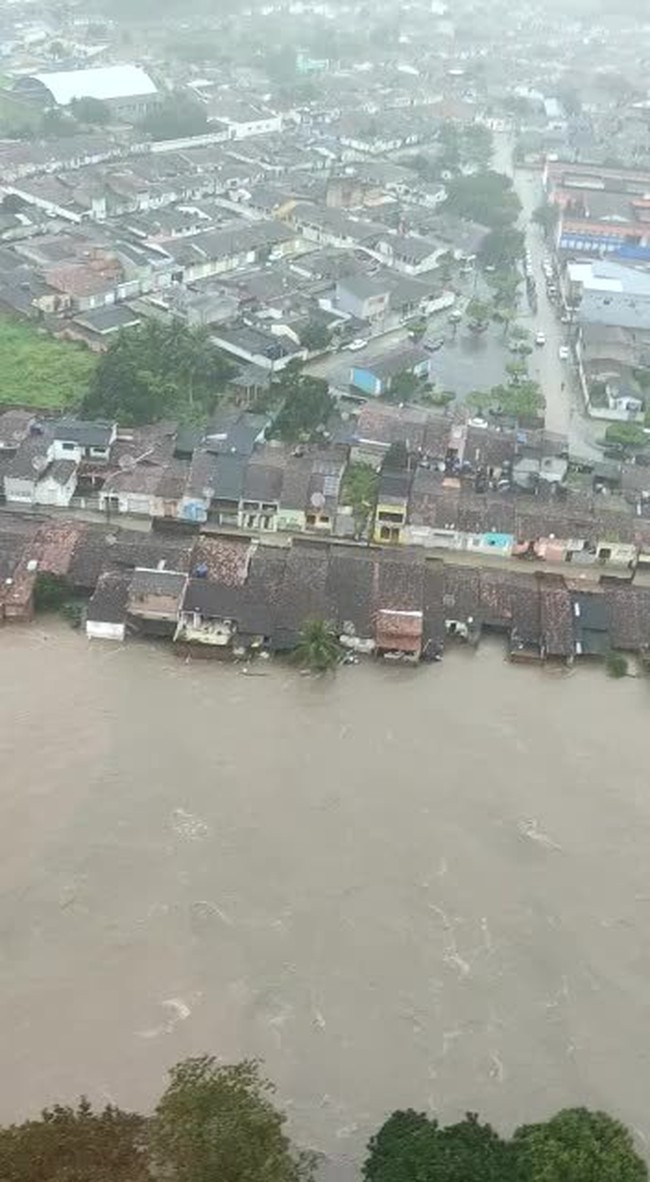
point(610, 293)
point(127, 90)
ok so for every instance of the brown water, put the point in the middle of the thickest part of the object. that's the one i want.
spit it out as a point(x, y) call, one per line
point(426, 887)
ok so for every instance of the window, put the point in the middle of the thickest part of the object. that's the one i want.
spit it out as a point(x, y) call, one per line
point(68, 447)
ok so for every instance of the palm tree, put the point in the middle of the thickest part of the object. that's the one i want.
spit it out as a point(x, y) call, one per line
point(319, 649)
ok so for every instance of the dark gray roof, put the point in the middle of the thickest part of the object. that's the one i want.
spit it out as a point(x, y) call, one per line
point(232, 433)
point(394, 484)
point(229, 474)
point(108, 602)
point(103, 320)
point(362, 286)
point(61, 471)
point(31, 452)
point(217, 601)
point(87, 433)
point(262, 483)
point(157, 582)
point(399, 361)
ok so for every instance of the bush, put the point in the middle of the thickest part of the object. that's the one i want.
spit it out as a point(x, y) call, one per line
point(616, 665)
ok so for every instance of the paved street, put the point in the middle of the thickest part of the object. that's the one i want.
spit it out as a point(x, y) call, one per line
point(558, 379)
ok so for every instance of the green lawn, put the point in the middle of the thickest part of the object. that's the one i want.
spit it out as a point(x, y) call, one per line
point(15, 113)
point(36, 370)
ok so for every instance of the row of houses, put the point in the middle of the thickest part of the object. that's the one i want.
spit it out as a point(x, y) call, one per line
point(236, 596)
point(454, 486)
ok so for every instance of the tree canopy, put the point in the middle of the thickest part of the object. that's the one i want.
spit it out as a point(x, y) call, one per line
point(90, 110)
point(502, 247)
point(77, 1144)
point(577, 1145)
point(215, 1121)
point(319, 649)
point(305, 405)
point(157, 371)
point(315, 336)
point(411, 1146)
point(176, 118)
point(484, 197)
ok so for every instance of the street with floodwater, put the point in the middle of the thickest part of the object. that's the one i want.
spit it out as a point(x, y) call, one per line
point(424, 887)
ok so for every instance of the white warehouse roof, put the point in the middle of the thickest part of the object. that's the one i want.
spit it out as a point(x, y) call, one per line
point(101, 82)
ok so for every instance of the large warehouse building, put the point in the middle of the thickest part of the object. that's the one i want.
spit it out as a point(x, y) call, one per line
point(127, 90)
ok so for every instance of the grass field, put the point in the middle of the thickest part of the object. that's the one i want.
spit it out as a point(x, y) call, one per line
point(36, 370)
point(15, 113)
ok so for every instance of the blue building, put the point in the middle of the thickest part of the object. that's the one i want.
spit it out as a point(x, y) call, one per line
point(375, 378)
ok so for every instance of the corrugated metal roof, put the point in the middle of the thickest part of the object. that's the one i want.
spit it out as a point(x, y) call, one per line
point(102, 82)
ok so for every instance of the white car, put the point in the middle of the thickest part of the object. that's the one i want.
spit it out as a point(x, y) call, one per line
point(563, 352)
point(356, 344)
point(540, 339)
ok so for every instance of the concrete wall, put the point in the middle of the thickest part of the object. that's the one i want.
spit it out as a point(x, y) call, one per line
point(97, 630)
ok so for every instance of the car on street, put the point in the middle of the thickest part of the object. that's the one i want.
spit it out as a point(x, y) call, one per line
point(540, 338)
point(433, 343)
point(455, 317)
point(563, 352)
point(356, 344)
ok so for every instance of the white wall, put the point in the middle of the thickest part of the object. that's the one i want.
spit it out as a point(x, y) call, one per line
point(96, 630)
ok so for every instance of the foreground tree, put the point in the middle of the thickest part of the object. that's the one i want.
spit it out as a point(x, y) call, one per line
point(90, 110)
point(319, 649)
point(176, 118)
point(155, 371)
point(76, 1145)
point(305, 405)
point(577, 1145)
point(484, 197)
point(315, 336)
point(218, 1122)
point(411, 1146)
point(502, 247)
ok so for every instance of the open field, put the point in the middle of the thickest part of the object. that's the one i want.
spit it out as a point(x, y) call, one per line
point(36, 370)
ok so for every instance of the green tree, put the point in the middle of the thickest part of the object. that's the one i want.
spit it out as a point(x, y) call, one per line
point(577, 1145)
point(77, 1144)
point(502, 247)
point(477, 146)
point(626, 435)
point(319, 649)
point(478, 311)
point(403, 387)
point(306, 405)
point(616, 664)
point(410, 1146)
point(315, 336)
point(546, 216)
point(157, 371)
point(178, 117)
point(484, 197)
point(359, 489)
point(90, 110)
point(219, 1122)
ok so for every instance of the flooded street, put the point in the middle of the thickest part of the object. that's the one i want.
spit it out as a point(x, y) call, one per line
point(399, 887)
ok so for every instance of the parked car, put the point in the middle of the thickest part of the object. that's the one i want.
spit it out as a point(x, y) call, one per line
point(455, 317)
point(433, 343)
point(563, 352)
point(540, 339)
point(356, 344)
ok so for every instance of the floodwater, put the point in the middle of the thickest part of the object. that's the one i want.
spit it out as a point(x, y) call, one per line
point(399, 887)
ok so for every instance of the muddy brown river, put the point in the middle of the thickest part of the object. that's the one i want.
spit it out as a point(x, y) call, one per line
point(398, 887)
